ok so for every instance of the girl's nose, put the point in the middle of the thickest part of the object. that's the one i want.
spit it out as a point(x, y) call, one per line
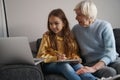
point(53, 26)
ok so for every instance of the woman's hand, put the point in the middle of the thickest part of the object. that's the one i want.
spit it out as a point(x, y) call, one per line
point(92, 69)
point(85, 69)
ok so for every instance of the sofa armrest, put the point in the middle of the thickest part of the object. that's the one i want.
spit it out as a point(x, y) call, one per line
point(20, 72)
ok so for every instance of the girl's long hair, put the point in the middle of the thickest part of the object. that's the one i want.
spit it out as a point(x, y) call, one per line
point(66, 33)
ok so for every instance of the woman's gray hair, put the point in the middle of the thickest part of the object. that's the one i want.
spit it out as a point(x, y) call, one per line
point(87, 8)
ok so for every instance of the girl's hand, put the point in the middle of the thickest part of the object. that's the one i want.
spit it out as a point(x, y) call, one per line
point(61, 57)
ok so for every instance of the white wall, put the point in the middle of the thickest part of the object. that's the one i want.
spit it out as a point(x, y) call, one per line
point(109, 10)
point(29, 17)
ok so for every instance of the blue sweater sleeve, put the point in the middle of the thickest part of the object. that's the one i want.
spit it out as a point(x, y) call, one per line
point(110, 53)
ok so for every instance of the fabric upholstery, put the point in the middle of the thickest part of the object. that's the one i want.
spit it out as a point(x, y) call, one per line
point(117, 38)
point(54, 77)
point(20, 72)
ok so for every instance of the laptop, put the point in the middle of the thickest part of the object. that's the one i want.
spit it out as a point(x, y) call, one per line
point(16, 50)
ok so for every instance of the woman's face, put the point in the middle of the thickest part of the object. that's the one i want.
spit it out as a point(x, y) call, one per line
point(55, 24)
point(82, 19)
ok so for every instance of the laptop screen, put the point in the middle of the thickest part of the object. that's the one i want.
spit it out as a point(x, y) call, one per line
point(15, 50)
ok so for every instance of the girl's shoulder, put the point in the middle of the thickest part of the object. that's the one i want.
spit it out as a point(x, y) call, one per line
point(46, 33)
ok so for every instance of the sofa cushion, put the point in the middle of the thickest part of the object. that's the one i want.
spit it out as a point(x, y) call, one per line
point(38, 43)
point(54, 77)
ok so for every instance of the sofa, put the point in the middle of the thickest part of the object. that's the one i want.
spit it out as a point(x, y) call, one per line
point(30, 72)
point(20, 72)
point(61, 77)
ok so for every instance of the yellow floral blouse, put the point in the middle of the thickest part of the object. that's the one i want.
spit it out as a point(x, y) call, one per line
point(49, 54)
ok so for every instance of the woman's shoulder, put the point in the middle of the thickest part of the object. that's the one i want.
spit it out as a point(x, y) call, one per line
point(75, 27)
point(102, 22)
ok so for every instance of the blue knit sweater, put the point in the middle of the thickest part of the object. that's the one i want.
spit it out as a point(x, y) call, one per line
point(97, 42)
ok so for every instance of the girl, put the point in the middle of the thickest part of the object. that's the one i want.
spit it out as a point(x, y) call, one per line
point(58, 44)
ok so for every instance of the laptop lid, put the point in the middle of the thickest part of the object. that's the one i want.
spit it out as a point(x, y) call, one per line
point(15, 50)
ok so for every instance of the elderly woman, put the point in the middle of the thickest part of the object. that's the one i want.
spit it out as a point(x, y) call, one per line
point(96, 39)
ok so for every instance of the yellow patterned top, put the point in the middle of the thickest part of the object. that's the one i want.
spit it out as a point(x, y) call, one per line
point(49, 54)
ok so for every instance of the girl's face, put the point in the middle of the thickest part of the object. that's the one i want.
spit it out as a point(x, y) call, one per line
point(55, 24)
point(82, 19)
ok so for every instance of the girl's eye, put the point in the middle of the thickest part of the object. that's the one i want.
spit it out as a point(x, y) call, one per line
point(56, 23)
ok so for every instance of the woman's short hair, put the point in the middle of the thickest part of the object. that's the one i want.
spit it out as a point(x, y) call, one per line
point(87, 8)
